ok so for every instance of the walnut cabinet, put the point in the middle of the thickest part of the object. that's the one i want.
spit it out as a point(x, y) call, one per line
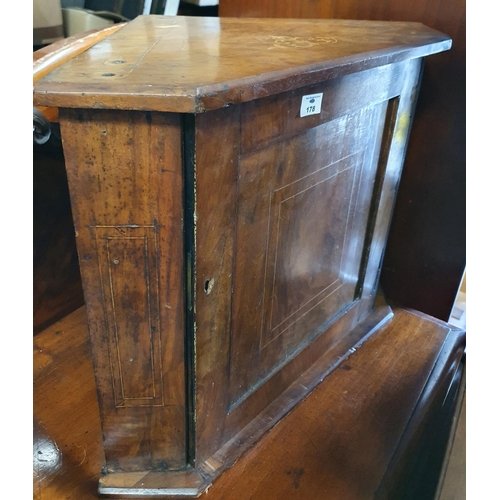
point(232, 184)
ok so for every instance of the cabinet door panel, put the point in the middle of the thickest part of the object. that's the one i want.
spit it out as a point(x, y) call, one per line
point(303, 208)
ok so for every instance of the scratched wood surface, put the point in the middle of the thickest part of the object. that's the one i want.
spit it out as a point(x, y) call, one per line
point(129, 241)
point(189, 64)
point(311, 270)
point(336, 444)
point(216, 233)
point(54, 55)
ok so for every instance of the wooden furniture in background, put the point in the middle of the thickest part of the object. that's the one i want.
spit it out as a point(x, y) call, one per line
point(47, 22)
point(232, 183)
point(425, 257)
point(341, 443)
point(52, 56)
point(57, 288)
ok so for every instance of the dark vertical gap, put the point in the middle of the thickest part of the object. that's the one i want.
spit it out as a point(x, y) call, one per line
point(413, 105)
point(389, 126)
point(189, 166)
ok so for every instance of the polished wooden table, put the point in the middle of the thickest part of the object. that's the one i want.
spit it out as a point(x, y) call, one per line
point(389, 402)
point(232, 185)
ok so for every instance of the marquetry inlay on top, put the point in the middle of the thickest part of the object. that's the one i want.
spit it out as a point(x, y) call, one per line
point(194, 64)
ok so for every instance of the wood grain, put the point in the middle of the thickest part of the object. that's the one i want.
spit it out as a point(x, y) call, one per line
point(67, 443)
point(225, 63)
point(126, 201)
point(277, 117)
point(216, 233)
point(415, 468)
point(57, 289)
point(310, 267)
point(250, 374)
point(230, 259)
point(56, 54)
point(336, 444)
point(426, 246)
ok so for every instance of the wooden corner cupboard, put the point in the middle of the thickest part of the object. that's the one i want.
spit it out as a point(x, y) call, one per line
point(232, 184)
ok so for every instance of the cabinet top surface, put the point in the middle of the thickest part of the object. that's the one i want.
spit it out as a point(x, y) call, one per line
point(194, 64)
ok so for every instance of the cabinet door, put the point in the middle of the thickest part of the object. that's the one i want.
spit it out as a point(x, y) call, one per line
point(303, 208)
point(291, 239)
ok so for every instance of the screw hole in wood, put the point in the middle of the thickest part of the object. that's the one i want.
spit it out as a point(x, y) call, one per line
point(209, 284)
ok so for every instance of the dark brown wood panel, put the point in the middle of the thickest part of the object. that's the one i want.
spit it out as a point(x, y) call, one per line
point(278, 117)
point(296, 206)
point(125, 178)
point(216, 167)
point(395, 135)
point(57, 287)
point(394, 143)
point(426, 246)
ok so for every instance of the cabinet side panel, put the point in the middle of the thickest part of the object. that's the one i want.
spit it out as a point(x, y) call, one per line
point(394, 143)
point(217, 148)
point(125, 178)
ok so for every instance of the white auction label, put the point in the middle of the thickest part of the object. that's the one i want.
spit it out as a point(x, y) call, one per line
point(311, 104)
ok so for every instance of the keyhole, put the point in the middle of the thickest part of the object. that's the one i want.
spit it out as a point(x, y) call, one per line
point(209, 284)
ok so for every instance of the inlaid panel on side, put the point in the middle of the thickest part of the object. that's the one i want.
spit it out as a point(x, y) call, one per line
point(303, 208)
point(129, 280)
point(125, 178)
